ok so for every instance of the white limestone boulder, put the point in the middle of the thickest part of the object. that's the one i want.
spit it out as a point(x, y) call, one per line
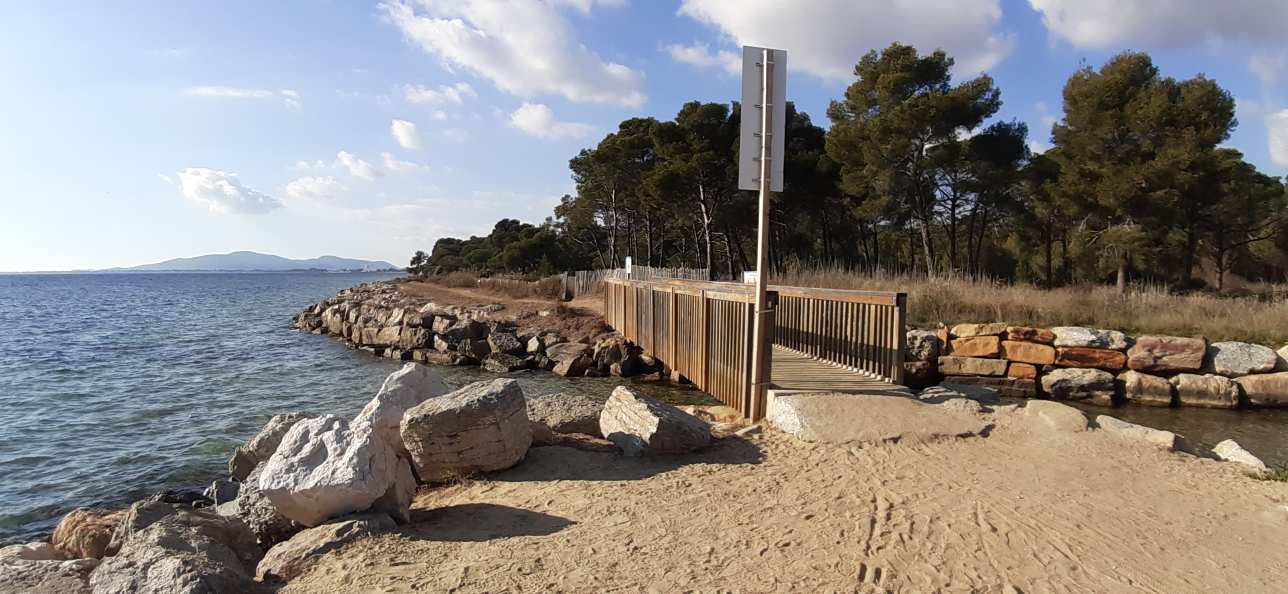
point(1230, 451)
point(1237, 359)
point(402, 390)
point(261, 447)
point(1077, 336)
point(641, 425)
point(1156, 437)
point(481, 427)
point(327, 467)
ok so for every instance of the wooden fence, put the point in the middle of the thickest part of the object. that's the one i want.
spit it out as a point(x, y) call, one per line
point(702, 330)
point(862, 330)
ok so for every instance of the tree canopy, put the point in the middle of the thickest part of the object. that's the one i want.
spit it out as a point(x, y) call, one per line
point(916, 174)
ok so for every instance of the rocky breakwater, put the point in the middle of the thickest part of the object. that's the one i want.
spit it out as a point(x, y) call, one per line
point(381, 320)
point(308, 484)
point(1104, 367)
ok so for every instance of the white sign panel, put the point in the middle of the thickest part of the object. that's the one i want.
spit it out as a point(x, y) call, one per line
point(749, 142)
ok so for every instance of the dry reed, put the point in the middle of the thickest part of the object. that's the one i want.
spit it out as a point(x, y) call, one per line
point(952, 299)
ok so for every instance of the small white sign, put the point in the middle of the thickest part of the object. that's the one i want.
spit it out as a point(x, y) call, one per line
point(628, 264)
point(749, 277)
point(749, 141)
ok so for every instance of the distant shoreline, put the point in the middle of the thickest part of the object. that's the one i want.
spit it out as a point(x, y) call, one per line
point(298, 271)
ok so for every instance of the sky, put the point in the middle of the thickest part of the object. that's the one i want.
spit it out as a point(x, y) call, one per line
point(133, 132)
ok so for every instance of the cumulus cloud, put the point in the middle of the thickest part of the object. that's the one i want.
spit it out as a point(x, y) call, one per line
point(525, 47)
point(536, 119)
point(1161, 23)
point(826, 38)
point(454, 94)
point(393, 164)
point(314, 188)
point(290, 97)
point(356, 166)
point(1277, 126)
point(405, 133)
point(223, 192)
point(700, 54)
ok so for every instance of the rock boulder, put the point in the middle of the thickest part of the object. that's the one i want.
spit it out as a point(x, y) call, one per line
point(953, 365)
point(1230, 451)
point(977, 346)
point(401, 390)
point(922, 345)
point(327, 467)
point(263, 444)
point(1026, 334)
point(640, 425)
point(567, 413)
point(1237, 359)
point(503, 363)
point(1077, 336)
point(169, 549)
point(1163, 439)
point(1028, 352)
point(1106, 359)
point(292, 558)
point(506, 342)
point(1166, 354)
point(1207, 391)
point(1141, 388)
point(479, 428)
point(1268, 389)
point(968, 330)
point(259, 514)
point(85, 533)
point(1080, 384)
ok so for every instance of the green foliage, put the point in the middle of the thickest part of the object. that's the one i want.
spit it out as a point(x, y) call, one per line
point(915, 175)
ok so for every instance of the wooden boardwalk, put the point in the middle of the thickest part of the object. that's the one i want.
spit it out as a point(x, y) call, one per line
point(797, 372)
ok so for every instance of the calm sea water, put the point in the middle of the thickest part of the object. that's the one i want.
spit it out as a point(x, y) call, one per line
point(114, 387)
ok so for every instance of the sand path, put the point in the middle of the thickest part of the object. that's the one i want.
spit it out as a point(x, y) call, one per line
point(1021, 510)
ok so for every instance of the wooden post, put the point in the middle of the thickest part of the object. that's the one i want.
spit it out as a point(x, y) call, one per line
point(900, 337)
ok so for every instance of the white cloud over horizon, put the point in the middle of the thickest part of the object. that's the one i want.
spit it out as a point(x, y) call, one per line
point(700, 54)
point(356, 166)
point(525, 47)
point(826, 38)
point(290, 97)
point(222, 192)
point(395, 165)
point(1104, 24)
point(405, 133)
point(455, 94)
point(537, 119)
point(314, 188)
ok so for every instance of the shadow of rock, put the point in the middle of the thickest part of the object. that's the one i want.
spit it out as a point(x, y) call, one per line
point(478, 522)
point(557, 463)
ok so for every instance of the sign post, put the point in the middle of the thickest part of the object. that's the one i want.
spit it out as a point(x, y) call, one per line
point(760, 168)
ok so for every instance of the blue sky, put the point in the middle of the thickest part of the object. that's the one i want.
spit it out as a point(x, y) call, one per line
point(133, 132)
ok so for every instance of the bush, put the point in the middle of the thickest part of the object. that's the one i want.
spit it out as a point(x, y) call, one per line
point(459, 280)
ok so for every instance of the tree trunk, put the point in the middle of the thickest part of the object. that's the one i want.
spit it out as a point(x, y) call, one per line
point(706, 225)
point(1121, 285)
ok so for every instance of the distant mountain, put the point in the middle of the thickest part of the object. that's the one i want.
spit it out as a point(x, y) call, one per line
point(256, 262)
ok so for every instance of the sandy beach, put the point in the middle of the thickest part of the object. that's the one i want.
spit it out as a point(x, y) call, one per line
point(1025, 508)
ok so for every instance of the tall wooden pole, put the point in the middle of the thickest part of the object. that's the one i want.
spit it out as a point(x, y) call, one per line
point(760, 348)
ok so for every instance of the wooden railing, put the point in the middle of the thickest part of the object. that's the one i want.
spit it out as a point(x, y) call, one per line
point(702, 330)
point(861, 330)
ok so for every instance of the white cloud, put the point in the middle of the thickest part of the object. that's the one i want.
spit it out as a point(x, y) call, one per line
point(536, 119)
point(165, 178)
point(223, 192)
point(525, 47)
point(699, 54)
point(307, 166)
point(405, 133)
point(393, 164)
point(1268, 66)
point(356, 167)
point(827, 38)
point(1111, 24)
point(454, 94)
point(290, 97)
point(1277, 126)
point(314, 188)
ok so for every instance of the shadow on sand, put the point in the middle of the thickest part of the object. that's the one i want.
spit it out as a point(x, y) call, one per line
point(477, 522)
point(557, 463)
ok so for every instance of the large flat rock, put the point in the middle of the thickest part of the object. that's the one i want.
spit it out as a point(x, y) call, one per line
point(845, 418)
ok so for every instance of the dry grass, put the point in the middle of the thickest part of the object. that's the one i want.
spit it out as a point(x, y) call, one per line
point(1142, 310)
point(456, 280)
point(546, 288)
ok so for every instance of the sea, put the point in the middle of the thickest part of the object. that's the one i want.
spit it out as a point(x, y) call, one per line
point(114, 387)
